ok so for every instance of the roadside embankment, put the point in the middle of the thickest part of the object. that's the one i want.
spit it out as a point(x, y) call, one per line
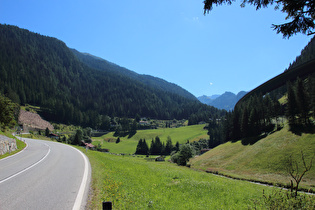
point(7, 145)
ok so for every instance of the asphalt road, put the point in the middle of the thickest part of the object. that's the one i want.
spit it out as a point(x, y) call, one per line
point(45, 175)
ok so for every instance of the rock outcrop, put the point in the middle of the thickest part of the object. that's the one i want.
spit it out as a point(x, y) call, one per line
point(32, 121)
point(7, 145)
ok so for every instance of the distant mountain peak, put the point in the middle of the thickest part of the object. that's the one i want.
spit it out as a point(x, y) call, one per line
point(225, 101)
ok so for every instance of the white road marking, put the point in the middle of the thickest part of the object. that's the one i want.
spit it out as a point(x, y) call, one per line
point(31, 166)
point(80, 195)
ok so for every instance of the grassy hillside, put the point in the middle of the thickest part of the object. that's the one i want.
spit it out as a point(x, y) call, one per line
point(134, 183)
point(263, 161)
point(128, 146)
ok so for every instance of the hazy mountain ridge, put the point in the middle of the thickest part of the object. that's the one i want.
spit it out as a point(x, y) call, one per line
point(207, 99)
point(225, 101)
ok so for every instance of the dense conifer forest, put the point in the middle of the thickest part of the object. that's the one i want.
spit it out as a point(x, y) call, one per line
point(153, 82)
point(43, 71)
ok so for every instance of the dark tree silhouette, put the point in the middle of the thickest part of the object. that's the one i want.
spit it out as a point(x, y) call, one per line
point(301, 12)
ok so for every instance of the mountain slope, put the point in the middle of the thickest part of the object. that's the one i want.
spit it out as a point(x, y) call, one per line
point(43, 71)
point(153, 82)
point(262, 161)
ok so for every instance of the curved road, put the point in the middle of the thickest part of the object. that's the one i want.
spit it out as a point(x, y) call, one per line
point(45, 175)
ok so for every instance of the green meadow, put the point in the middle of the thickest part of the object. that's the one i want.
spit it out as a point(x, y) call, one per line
point(265, 160)
point(128, 145)
point(135, 183)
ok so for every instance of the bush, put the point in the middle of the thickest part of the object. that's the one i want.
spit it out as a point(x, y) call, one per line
point(182, 157)
point(287, 200)
point(174, 157)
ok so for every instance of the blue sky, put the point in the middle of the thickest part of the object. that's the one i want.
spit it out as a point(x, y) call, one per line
point(229, 49)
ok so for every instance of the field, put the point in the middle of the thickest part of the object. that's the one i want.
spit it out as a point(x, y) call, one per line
point(128, 145)
point(262, 161)
point(134, 183)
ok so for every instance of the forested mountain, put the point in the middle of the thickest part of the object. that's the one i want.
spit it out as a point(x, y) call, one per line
point(154, 82)
point(225, 101)
point(43, 71)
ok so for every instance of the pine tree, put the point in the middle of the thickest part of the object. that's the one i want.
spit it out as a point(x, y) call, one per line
point(47, 132)
point(244, 123)
point(139, 147)
point(118, 131)
point(311, 91)
point(291, 110)
point(176, 148)
point(133, 128)
point(168, 146)
point(156, 146)
point(269, 108)
point(302, 101)
point(277, 111)
point(152, 147)
point(254, 122)
point(78, 137)
point(236, 128)
point(117, 140)
point(145, 148)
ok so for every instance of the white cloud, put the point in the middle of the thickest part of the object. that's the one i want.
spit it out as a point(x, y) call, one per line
point(211, 83)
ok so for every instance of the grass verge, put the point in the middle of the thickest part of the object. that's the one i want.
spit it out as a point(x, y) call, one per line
point(134, 183)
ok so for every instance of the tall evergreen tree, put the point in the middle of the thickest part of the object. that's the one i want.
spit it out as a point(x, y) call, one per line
point(311, 91)
point(145, 148)
point(176, 147)
point(244, 123)
point(78, 137)
point(168, 146)
point(156, 146)
point(277, 111)
point(236, 128)
point(152, 147)
point(254, 122)
point(268, 104)
point(291, 110)
point(302, 101)
point(139, 149)
point(133, 128)
point(47, 132)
